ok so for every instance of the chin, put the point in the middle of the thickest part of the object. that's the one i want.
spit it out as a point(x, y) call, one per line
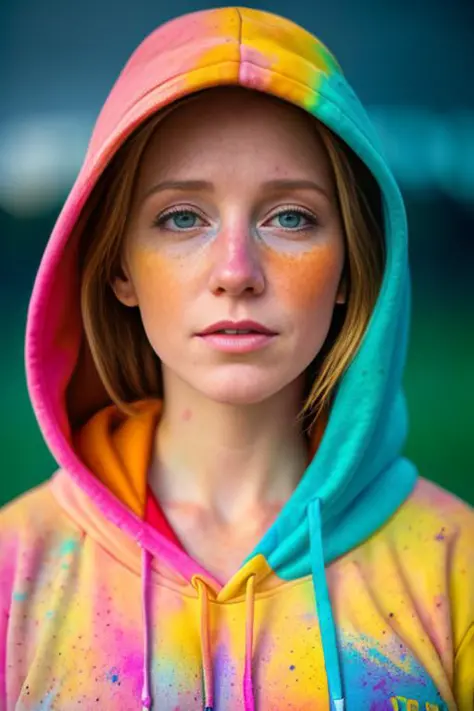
point(241, 391)
point(238, 398)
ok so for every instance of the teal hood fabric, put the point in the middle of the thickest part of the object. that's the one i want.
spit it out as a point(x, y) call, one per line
point(359, 475)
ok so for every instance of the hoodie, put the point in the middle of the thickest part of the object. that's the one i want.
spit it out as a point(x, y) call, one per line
point(359, 596)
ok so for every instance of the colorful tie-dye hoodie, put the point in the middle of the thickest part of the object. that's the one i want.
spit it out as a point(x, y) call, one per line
point(358, 597)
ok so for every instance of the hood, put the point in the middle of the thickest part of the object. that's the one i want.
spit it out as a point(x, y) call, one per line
point(356, 478)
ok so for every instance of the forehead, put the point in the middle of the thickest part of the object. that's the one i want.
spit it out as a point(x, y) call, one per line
point(230, 128)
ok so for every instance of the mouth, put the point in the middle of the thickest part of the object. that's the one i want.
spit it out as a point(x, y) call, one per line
point(236, 340)
point(242, 328)
point(236, 332)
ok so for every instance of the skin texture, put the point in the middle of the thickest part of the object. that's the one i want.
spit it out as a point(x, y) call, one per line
point(228, 453)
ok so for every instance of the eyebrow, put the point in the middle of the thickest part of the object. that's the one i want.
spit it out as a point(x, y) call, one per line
point(178, 185)
point(287, 184)
point(203, 185)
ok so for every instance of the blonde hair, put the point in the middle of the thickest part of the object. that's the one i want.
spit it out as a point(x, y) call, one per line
point(125, 361)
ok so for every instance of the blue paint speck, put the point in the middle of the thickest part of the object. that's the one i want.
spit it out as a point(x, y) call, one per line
point(292, 667)
point(20, 596)
point(113, 675)
point(69, 546)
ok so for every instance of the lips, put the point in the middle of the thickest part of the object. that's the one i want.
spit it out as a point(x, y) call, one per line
point(235, 332)
point(246, 326)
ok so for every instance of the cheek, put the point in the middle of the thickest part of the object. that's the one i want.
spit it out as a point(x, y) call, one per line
point(159, 286)
point(308, 280)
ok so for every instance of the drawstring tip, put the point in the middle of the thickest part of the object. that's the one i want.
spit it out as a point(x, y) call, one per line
point(339, 704)
point(208, 708)
point(146, 703)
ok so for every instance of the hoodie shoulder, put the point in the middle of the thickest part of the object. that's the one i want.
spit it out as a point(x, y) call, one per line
point(433, 519)
point(430, 503)
point(433, 537)
point(33, 529)
point(445, 527)
point(31, 520)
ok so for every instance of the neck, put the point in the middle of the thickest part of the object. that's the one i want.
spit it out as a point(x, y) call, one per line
point(228, 459)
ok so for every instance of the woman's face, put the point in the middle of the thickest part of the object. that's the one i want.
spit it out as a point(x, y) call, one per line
point(234, 217)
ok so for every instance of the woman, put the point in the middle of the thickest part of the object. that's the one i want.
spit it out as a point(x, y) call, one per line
point(215, 347)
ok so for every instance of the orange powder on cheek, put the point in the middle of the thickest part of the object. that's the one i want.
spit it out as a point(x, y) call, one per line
point(160, 282)
point(302, 279)
point(305, 278)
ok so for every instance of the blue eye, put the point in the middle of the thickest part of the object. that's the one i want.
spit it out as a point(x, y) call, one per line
point(294, 219)
point(290, 219)
point(184, 219)
point(179, 219)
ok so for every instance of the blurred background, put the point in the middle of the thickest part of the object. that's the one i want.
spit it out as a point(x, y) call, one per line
point(411, 64)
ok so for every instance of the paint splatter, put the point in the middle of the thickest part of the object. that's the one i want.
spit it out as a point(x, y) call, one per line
point(20, 596)
point(68, 546)
point(113, 675)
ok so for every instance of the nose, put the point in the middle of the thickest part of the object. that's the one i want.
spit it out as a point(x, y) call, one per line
point(236, 263)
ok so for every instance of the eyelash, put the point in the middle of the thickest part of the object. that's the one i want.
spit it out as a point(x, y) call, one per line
point(160, 220)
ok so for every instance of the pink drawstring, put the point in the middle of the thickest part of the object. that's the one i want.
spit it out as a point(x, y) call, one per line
point(146, 695)
point(249, 703)
point(206, 648)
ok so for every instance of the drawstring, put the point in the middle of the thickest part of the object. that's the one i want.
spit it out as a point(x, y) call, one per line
point(249, 704)
point(324, 613)
point(146, 695)
point(206, 648)
point(323, 607)
point(146, 699)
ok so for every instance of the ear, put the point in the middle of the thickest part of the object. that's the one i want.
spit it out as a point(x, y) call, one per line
point(341, 296)
point(123, 288)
